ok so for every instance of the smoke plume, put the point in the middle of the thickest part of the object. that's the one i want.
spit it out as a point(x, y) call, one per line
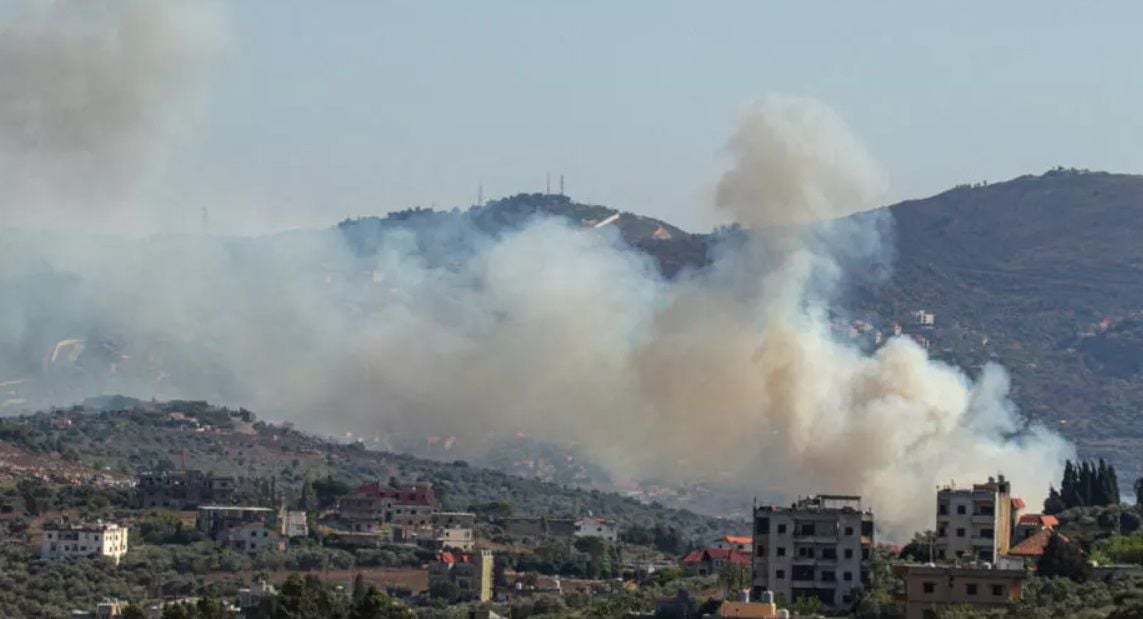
point(92, 95)
point(729, 373)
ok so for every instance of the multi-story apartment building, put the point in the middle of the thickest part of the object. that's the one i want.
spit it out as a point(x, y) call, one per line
point(820, 547)
point(101, 539)
point(975, 524)
point(373, 505)
point(185, 489)
point(470, 573)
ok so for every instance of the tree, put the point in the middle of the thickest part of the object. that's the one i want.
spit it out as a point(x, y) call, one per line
point(1054, 504)
point(920, 549)
point(444, 591)
point(1063, 559)
point(132, 611)
point(734, 578)
point(373, 604)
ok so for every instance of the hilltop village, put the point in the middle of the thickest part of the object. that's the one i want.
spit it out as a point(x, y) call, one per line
point(124, 513)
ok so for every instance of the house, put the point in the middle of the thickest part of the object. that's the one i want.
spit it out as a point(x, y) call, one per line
point(107, 609)
point(818, 547)
point(1030, 524)
point(243, 528)
point(929, 588)
point(63, 541)
point(540, 527)
point(251, 538)
point(251, 598)
point(976, 523)
point(373, 505)
point(713, 561)
point(597, 527)
point(741, 543)
point(293, 523)
point(186, 489)
point(470, 573)
point(453, 530)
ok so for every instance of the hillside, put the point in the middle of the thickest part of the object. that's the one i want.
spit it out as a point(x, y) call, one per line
point(121, 443)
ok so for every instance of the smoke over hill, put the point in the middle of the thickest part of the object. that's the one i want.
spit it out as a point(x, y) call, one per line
point(727, 373)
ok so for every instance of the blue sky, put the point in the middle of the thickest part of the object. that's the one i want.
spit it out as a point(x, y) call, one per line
point(321, 110)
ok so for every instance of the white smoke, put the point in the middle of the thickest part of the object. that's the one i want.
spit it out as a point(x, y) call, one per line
point(92, 96)
point(727, 373)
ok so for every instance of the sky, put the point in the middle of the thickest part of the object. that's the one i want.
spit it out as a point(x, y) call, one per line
point(317, 111)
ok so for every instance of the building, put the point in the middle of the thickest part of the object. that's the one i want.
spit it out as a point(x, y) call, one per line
point(743, 607)
point(741, 543)
point(246, 529)
point(597, 527)
point(251, 538)
point(107, 609)
point(454, 530)
point(373, 505)
point(713, 561)
point(819, 547)
point(1031, 524)
point(471, 573)
point(540, 527)
point(929, 588)
point(975, 524)
point(184, 489)
point(251, 598)
point(293, 523)
point(64, 541)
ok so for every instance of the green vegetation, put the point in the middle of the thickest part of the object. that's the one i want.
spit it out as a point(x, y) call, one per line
point(1084, 484)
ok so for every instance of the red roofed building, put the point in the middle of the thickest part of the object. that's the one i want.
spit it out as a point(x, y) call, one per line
point(1030, 524)
point(713, 561)
point(742, 543)
point(1033, 547)
point(470, 573)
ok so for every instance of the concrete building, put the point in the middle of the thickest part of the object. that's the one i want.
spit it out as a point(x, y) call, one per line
point(471, 574)
point(293, 523)
point(818, 547)
point(454, 530)
point(540, 527)
point(246, 529)
point(184, 489)
point(975, 524)
point(597, 527)
point(929, 588)
point(64, 541)
point(373, 505)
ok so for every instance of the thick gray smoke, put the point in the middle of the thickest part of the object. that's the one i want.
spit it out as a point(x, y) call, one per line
point(92, 94)
point(728, 374)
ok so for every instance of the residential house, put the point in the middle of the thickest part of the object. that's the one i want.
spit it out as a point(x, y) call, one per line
point(713, 561)
point(597, 527)
point(374, 505)
point(243, 528)
point(293, 523)
point(186, 489)
point(470, 573)
point(63, 541)
point(929, 588)
point(1030, 524)
point(975, 523)
point(453, 530)
point(818, 547)
point(741, 543)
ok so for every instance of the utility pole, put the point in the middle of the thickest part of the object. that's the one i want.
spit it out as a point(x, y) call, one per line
point(561, 184)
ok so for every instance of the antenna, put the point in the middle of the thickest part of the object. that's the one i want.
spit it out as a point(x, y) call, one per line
point(561, 184)
point(548, 186)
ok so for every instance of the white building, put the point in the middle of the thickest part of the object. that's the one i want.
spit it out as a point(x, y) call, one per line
point(975, 523)
point(251, 538)
point(597, 527)
point(102, 539)
point(820, 547)
point(294, 524)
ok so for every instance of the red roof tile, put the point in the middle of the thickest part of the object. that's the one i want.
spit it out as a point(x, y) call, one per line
point(1042, 520)
point(1034, 545)
point(1017, 503)
point(738, 539)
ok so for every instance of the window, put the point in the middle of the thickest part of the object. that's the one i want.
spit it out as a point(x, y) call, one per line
point(808, 529)
point(986, 533)
point(829, 553)
point(781, 551)
point(941, 553)
point(849, 530)
point(848, 553)
point(970, 588)
point(761, 551)
point(961, 510)
point(828, 576)
point(779, 574)
point(929, 587)
point(781, 528)
point(960, 532)
point(847, 576)
point(943, 509)
point(762, 526)
point(864, 554)
point(942, 532)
